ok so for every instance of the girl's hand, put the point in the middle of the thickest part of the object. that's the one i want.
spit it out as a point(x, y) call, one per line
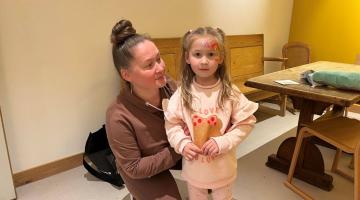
point(210, 148)
point(191, 151)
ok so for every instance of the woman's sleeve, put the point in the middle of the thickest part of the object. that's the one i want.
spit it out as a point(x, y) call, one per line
point(242, 120)
point(174, 123)
point(129, 157)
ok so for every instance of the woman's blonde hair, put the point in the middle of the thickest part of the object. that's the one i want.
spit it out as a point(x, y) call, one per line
point(188, 75)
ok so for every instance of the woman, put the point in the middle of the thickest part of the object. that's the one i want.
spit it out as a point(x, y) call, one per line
point(135, 121)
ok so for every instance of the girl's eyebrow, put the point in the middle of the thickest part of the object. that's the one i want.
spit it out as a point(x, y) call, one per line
point(207, 50)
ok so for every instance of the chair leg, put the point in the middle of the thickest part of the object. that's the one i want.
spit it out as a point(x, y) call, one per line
point(351, 165)
point(294, 160)
point(295, 156)
point(346, 112)
point(336, 160)
point(335, 168)
point(283, 100)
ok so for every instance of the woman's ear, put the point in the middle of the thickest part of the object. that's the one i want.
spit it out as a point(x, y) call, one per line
point(125, 74)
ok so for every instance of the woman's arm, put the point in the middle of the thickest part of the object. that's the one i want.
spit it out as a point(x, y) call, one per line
point(128, 155)
point(174, 123)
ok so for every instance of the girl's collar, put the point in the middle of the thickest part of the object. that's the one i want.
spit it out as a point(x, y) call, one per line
point(206, 86)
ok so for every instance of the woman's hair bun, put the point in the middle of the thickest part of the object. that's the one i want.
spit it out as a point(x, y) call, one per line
point(121, 31)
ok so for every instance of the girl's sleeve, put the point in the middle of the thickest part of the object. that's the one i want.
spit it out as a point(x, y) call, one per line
point(242, 120)
point(175, 122)
point(129, 157)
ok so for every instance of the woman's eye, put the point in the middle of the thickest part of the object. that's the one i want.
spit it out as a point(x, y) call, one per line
point(158, 60)
point(150, 65)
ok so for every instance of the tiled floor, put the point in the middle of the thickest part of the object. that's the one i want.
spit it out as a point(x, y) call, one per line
point(255, 181)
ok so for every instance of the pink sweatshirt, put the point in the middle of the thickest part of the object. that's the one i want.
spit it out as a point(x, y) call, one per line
point(210, 121)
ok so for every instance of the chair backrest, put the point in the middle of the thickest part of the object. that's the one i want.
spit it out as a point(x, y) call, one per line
point(357, 60)
point(297, 53)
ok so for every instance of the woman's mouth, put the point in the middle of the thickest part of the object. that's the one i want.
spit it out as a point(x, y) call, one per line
point(160, 77)
point(160, 81)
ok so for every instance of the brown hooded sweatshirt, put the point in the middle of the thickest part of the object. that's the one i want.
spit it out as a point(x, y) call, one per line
point(137, 137)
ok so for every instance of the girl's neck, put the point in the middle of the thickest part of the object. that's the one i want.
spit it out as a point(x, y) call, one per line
point(206, 81)
point(150, 96)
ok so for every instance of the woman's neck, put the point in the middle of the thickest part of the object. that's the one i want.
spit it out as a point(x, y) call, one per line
point(150, 96)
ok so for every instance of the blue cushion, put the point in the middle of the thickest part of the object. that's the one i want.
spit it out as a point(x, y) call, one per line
point(338, 79)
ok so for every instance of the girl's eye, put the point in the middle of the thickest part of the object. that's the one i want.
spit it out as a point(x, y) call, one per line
point(212, 54)
point(197, 54)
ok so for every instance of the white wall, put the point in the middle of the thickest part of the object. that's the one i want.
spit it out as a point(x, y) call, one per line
point(6, 184)
point(56, 72)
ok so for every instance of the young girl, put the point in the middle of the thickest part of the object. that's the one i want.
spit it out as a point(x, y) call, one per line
point(216, 113)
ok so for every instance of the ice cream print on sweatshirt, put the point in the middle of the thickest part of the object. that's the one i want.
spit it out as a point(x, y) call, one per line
point(204, 128)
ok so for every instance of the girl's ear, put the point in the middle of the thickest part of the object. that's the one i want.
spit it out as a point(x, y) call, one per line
point(221, 59)
point(125, 74)
point(187, 57)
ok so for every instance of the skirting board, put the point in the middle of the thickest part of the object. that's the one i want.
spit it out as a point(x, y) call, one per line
point(49, 169)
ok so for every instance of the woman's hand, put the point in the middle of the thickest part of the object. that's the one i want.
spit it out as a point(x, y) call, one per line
point(191, 151)
point(210, 148)
point(185, 129)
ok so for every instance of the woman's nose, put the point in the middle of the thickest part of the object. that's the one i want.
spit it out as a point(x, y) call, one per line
point(160, 67)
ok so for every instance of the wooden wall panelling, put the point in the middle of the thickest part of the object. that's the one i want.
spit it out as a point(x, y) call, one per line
point(170, 52)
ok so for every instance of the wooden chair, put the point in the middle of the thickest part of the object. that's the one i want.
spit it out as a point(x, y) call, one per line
point(282, 99)
point(354, 108)
point(357, 61)
point(293, 54)
point(344, 134)
point(297, 53)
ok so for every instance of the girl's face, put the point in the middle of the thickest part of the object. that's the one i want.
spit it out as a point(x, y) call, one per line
point(204, 58)
point(147, 69)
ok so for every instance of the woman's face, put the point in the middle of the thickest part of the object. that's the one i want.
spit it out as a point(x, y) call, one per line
point(147, 69)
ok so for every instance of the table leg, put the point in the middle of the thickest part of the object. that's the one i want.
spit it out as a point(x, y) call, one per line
point(310, 167)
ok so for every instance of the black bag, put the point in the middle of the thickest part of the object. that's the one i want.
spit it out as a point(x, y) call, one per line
point(99, 160)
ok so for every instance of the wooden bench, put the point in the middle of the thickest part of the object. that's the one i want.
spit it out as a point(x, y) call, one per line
point(244, 57)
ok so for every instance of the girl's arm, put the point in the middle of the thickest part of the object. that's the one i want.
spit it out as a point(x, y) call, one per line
point(242, 120)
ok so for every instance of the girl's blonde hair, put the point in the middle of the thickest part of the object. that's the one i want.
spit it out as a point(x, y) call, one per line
point(226, 91)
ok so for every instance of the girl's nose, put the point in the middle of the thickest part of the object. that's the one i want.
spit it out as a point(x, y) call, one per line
point(204, 60)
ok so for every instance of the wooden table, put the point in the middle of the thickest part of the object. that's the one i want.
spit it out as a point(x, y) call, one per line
point(309, 101)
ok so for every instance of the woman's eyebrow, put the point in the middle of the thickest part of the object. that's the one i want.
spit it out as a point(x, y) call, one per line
point(153, 57)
